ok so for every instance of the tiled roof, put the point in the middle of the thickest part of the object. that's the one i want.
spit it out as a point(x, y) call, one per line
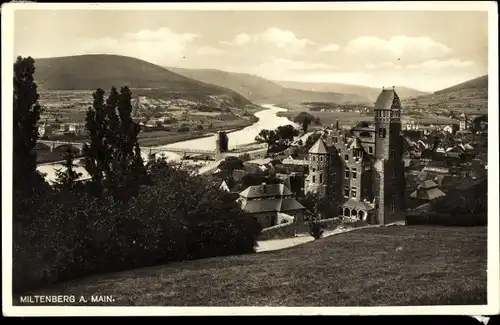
point(269, 205)
point(357, 204)
point(355, 144)
point(267, 190)
point(427, 194)
point(319, 147)
point(385, 99)
point(428, 184)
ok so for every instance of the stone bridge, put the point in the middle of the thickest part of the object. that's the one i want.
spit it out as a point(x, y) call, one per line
point(216, 154)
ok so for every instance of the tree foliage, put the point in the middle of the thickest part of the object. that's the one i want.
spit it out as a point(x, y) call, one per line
point(26, 114)
point(113, 158)
point(278, 139)
point(67, 179)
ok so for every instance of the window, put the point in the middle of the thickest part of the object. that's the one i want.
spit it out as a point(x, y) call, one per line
point(321, 178)
point(382, 133)
point(346, 192)
point(370, 149)
point(347, 172)
point(314, 169)
point(335, 139)
point(314, 179)
point(354, 173)
point(346, 157)
point(354, 191)
point(392, 207)
point(321, 158)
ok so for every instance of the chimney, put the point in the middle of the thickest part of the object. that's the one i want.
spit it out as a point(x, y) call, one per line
point(337, 124)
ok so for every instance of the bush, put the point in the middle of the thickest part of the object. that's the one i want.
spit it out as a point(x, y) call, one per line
point(69, 234)
point(316, 229)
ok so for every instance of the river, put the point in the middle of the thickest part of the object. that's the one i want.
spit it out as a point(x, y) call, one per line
point(268, 119)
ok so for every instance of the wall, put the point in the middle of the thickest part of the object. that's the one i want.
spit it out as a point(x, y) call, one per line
point(266, 219)
point(285, 230)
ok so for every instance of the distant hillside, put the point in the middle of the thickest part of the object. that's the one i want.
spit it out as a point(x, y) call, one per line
point(260, 90)
point(362, 91)
point(479, 84)
point(468, 96)
point(88, 72)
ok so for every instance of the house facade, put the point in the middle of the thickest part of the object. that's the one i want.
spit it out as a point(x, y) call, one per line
point(362, 171)
point(265, 201)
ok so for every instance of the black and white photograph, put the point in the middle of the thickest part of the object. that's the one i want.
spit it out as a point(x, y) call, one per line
point(315, 158)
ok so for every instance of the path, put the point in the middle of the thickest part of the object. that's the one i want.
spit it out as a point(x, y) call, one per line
point(275, 244)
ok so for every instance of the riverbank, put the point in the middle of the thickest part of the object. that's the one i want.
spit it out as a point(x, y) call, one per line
point(350, 118)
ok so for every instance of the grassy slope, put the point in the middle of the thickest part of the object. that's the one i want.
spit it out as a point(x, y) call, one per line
point(437, 265)
point(260, 90)
point(363, 91)
point(88, 72)
point(467, 96)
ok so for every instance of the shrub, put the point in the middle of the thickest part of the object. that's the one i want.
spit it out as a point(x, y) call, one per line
point(316, 229)
point(69, 234)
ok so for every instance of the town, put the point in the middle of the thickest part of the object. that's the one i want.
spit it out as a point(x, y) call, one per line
point(169, 162)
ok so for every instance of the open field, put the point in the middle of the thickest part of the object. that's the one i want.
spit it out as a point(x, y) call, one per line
point(182, 119)
point(435, 266)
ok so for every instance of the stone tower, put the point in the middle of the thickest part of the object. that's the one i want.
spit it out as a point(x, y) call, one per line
point(221, 143)
point(388, 176)
point(322, 164)
point(463, 122)
point(358, 172)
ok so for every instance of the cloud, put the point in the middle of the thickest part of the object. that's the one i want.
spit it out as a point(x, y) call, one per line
point(384, 65)
point(435, 64)
point(209, 51)
point(400, 46)
point(329, 48)
point(162, 46)
point(272, 36)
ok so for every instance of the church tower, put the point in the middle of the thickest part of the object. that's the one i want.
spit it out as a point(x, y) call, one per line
point(464, 122)
point(322, 170)
point(389, 179)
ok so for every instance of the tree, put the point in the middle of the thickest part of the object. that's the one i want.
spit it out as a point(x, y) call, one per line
point(231, 163)
point(67, 179)
point(304, 119)
point(25, 130)
point(96, 152)
point(286, 134)
point(316, 229)
point(114, 154)
point(266, 136)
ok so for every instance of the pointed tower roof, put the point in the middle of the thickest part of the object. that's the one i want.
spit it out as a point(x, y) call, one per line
point(319, 147)
point(355, 144)
point(385, 99)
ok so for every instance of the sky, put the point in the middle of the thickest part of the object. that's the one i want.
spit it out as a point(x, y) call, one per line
point(424, 50)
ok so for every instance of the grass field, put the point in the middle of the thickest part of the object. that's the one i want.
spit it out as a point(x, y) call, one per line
point(436, 266)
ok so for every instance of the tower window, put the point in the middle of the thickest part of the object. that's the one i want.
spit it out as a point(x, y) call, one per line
point(346, 157)
point(382, 133)
point(314, 169)
point(321, 178)
point(347, 172)
point(346, 192)
point(314, 179)
point(370, 149)
point(354, 191)
point(354, 174)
